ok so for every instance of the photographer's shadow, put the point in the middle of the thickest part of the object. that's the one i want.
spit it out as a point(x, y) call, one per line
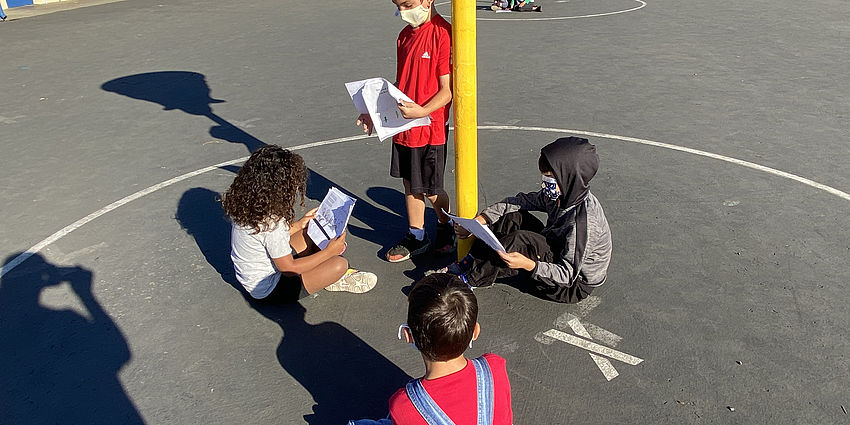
point(59, 366)
point(346, 377)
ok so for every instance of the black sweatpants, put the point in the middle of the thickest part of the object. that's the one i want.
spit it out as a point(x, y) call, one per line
point(520, 232)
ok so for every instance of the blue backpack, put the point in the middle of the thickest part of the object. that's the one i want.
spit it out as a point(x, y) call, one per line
point(432, 413)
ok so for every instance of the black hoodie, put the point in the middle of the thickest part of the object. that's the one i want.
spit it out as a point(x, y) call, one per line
point(576, 228)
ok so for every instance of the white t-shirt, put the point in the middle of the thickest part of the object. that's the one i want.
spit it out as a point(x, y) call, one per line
point(252, 256)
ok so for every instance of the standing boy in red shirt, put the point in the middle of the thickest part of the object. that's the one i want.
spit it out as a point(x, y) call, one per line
point(419, 154)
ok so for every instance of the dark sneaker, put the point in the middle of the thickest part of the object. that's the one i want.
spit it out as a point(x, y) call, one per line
point(446, 241)
point(457, 268)
point(408, 247)
point(452, 268)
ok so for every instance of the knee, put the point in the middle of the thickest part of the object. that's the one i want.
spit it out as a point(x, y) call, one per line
point(339, 265)
point(518, 238)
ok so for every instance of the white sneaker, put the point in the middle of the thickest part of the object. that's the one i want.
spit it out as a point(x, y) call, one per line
point(354, 281)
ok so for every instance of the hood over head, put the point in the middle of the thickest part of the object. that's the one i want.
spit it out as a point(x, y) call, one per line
point(574, 162)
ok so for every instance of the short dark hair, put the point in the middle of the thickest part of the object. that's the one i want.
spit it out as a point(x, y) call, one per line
point(543, 165)
point(441, 313)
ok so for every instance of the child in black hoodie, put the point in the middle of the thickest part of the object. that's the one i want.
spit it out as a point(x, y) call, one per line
point(566, 258)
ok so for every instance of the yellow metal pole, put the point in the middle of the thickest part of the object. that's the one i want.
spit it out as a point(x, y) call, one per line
point(464, 77)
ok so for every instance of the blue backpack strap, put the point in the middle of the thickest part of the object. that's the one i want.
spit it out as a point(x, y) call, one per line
point(484, 380)
point(425, 405)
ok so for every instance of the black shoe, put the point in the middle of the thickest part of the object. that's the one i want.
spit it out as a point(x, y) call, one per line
point(446, 241)
point(408, 247)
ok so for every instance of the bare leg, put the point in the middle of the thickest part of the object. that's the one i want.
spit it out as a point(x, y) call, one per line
point(325, 273)
point(440, 202)
point(415, 203)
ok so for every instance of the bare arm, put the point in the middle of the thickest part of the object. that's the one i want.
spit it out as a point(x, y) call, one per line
point(292, 265)
point(300, 224)
point(411, 110)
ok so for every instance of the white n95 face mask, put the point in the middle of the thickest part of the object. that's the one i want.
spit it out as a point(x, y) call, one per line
point(416, 16)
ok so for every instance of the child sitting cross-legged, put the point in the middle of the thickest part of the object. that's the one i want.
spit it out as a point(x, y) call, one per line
point(442, 322)
point(563, 260)
point(272, 255)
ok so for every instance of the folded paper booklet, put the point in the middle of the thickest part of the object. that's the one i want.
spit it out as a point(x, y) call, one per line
point(480, 231)
point(331, 217)
point(379, 98)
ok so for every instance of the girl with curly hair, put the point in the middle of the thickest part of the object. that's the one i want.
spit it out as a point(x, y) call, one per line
point(272, 256)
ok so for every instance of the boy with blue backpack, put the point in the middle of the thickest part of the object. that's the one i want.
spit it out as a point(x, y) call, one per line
point(442, 322)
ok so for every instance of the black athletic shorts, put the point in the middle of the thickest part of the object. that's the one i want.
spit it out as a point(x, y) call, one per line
point(423, 167)
point(289, 289)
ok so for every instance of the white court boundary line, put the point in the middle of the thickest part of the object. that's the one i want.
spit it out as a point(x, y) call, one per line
point(144, 192)
point(753, 165)
point(556, 18)
point(127, 199)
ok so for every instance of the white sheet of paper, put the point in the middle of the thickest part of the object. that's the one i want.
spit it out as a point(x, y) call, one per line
point(331, 217)
point(379, 98)
point(480, 231)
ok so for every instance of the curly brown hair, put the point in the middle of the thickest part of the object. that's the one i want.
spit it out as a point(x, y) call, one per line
point(266, 188)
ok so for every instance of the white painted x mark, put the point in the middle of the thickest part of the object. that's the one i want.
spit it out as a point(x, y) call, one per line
point(583, 339)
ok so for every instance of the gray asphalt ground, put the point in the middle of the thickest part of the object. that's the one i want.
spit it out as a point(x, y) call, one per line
point(730, 283)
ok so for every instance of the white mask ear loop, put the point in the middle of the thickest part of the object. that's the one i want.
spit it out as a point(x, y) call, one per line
point(401, 329)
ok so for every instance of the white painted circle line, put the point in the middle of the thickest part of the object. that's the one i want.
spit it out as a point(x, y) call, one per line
point(754, 166)
point(6, 268)
point(127, 199)
point(559, 18)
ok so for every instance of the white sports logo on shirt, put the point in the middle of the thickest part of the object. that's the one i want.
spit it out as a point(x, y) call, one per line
point(426, 56)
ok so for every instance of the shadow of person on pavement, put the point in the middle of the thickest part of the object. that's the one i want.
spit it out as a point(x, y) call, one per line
point(200, 214)
point(346, 377)
point(59, 366)
point(384, 227)
point(183, 90)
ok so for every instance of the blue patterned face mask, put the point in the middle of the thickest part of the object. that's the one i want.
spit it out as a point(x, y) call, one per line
point(550, 188)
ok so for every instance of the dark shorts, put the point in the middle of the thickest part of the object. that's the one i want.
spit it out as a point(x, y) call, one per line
point(423, 167)
point(289, 289)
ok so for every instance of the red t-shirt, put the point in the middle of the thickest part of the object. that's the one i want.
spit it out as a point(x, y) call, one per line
point(456, 394)
point(424, 54)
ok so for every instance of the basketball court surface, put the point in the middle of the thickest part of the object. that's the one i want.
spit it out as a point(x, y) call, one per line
point(722, 129)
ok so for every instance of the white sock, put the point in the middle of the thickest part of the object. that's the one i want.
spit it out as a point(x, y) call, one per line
point(419, 234)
